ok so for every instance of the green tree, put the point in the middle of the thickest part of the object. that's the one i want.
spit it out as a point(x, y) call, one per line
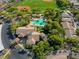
point(13, 27)
point(11, 9)
point(55, 31)
point(53, 14)
point(77, 31)
point(52, 26)
point(56, 41)
point(77, 17)
point(41, 48)
point(24, 21)
point(72, 41)
point(62, 3)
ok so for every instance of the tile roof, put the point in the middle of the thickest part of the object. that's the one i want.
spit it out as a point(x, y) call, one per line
point(59, 56)
point(66, 19)
point(23, 31)
point(67, 23)
point(33, 38)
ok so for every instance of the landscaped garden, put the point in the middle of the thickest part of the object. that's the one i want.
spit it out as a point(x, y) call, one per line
point(41, 4)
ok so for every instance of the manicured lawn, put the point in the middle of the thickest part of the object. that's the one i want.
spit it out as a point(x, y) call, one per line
point(38, 4)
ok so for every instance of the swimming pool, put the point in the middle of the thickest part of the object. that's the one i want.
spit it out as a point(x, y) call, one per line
point(39, 21)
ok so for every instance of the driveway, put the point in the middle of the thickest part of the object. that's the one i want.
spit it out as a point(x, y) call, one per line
point(5, 38)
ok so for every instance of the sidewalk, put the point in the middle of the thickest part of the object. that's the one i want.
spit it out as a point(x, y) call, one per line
point(1, 44)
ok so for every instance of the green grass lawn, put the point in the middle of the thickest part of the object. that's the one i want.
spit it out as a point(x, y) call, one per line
point(38, 4)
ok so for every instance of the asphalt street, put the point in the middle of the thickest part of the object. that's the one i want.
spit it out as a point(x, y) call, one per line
point(6, 42)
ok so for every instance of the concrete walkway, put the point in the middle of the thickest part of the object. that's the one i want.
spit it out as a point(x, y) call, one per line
point(1, 44)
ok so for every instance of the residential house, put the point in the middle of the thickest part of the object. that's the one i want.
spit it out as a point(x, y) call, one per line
point(24, 31)
point(75, 3)
point(33, 38)
point(3, 1)
point(29, 34)
point(58, 56)
point(68, 23)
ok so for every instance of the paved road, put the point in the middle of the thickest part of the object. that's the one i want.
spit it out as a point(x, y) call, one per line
point(5, 38)
point(15, 55)
point(6, 43)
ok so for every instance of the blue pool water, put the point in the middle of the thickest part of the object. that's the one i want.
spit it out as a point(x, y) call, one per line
point(39, 21)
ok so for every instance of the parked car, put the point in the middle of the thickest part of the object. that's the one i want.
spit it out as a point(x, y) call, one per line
point(22, 51)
